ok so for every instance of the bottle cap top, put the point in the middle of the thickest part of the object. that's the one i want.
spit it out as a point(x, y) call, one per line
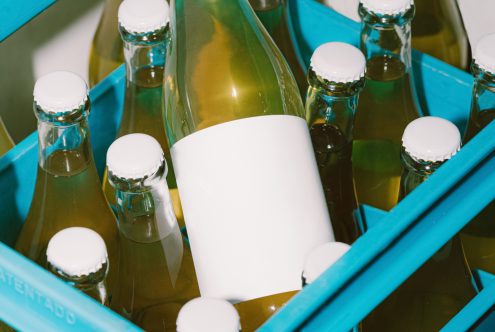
point(338, 62)
point(142, 16)
point(484, 53)
point(60, 91)
point(387, 7)
point(77, 251)
point(208, 315)
point(431, 139)
point(134, 156)
point(321, 258)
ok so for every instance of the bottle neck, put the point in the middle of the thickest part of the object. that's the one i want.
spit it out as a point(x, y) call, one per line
point(415, 172)
point(483, 101)
point(144, 207)
point(64, 147)
point(387, 36)
point(145, 56)
point(93, 284)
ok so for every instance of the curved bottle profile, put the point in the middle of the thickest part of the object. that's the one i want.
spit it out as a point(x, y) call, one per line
point(156, 273)
point(336, 76)
point(387, 103)
point(242, 152)
point(6, 142)
point(67, 191)
point(442, 286)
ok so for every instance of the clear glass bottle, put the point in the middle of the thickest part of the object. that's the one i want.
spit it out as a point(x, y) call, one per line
point(156, 270)
point(387, 103)
point(202, 314)
point(255, 312)
point(437, 29)
point(443, 285)
point(78, 256)
point(242, 152)
point(336, 76)
point(478, 237)
point(106, 49)
point(275, 18)
point(68, 190)
point(6, 142)
point(145, 37)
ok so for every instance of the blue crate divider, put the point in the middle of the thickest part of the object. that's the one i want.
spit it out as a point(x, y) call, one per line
point(16, 13)
point(33, 299)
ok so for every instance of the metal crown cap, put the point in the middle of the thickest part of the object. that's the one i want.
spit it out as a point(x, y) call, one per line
point(77, 251)
point(60, 91)
point(338, 62)
point(142, 16)
point(321, 258)
point(387, 7)
point(208, 315)
point(431, 139)
point(134, 156)
point(484, 53)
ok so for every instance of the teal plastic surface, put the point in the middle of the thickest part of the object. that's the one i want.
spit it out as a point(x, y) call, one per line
point(15, 13)
point(396, 243)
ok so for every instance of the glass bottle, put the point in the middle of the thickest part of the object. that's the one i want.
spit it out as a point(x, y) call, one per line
point(201, 314)
point(67, 190)
point(6, 142)
point(478, 237)
point(106, 49)
point(255, 312)
point(437, 29)
point(145, 37)
point(78, 256)
point(336, 76)
point(387, 103)
point(156, 270)
point(275, 18)
point(242, 152)
point(442, 286)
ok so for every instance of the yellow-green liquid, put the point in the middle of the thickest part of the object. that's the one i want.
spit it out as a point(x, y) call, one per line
point(437, 29)
point(68, 195)
point(386, 106)
point(107, 48)
point(255, 312)
point(143, 114)
point(155, 280)
point(6, 142)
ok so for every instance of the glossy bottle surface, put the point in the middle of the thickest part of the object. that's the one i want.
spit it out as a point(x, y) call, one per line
point(6, 142)
point(386, 105)
point(437, 29)
point(106, 48)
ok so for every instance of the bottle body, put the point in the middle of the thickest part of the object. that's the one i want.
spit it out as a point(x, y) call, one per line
point(234, 118)
point(387, 104)
point(438, 30)
point(6, 142)
point(106, 49)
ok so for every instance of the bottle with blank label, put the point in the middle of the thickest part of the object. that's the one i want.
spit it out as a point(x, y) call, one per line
point(336, 76)
point(78, 256)
point(442, 286)
point(208, 315)
point(245, 167)
point(478, 237)
point(387, 103)
point(156, 270)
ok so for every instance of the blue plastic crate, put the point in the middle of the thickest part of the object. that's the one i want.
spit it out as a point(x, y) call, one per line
point(16, 13)
point(33, 299)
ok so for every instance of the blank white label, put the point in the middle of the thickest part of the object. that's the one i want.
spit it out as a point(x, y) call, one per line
point(253, 205)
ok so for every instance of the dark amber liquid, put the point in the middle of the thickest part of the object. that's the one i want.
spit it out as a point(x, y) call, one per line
point(333, 156)
point(255, 312)
point(386, 106)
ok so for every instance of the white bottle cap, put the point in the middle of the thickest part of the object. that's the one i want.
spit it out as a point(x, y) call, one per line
point(321, 258)
point(60, 91)
point(431, 139)
point(208, 315)
point(77, 251)
point(134, 156)
point(484, 53)
point(387, 7)
point(338, 62)
point(142, 16)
